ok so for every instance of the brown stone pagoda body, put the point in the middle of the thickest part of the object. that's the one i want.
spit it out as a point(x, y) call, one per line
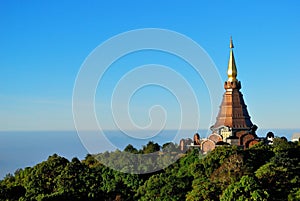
point(233, 124)
point(233, 110)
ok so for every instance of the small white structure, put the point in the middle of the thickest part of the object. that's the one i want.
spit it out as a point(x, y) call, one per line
point(270, 137)
point(295, 137)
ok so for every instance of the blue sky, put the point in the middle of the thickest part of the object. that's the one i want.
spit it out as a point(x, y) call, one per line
point(44, 43)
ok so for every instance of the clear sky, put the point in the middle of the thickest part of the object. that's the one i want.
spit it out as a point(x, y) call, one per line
point(44, 43)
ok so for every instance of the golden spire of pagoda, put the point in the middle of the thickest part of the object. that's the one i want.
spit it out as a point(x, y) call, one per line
point(232, 71)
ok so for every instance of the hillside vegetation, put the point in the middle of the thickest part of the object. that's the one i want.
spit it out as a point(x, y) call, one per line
point(263, 172)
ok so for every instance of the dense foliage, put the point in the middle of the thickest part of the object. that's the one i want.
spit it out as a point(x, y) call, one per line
point(263, 172)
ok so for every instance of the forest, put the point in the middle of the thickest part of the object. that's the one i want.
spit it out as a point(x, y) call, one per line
point(262, 172)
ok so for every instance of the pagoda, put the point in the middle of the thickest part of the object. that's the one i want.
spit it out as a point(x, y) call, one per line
point(233, 123)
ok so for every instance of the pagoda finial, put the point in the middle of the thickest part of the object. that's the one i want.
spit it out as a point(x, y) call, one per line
point(231, 43)
point(232, 71)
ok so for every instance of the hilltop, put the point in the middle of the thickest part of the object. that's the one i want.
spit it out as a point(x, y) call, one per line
point(262, 172)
